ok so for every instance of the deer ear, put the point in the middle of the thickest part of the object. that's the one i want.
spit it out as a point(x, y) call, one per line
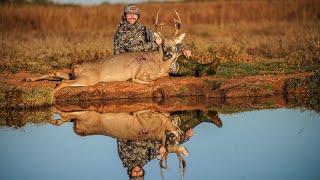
point(179, 39)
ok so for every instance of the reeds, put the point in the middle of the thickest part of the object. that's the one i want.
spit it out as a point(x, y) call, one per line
point(53, 18)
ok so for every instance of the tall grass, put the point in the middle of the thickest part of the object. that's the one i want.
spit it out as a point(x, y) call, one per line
point(51, 18)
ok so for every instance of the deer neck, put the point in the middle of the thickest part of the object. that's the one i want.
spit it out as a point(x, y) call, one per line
point(160, 51)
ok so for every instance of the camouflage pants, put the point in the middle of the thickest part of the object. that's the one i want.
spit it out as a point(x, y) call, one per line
point(191, 119)
point(189, 67)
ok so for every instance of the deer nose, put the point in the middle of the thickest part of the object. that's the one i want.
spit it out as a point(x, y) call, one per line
point(168, 55)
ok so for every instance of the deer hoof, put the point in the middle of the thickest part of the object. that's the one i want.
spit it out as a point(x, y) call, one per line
point(27, 80)
point(55, 122)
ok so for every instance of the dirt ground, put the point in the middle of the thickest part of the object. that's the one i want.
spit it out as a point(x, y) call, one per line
point(9, 80)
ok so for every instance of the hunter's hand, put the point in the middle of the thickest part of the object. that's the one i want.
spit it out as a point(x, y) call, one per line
point(189, 133)
point(162, 149)
point(157, 39)
point(186, 53)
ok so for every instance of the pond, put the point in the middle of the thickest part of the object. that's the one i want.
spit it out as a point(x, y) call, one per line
point(281, 143)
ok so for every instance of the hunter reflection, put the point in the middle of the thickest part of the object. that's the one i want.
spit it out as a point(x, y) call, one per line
point(143, 135)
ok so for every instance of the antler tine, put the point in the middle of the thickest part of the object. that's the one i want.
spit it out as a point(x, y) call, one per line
point(183, 163)
point(159, 31)
point(177, 23)
point(156, 23)
point(157, 17)
point(165, 157)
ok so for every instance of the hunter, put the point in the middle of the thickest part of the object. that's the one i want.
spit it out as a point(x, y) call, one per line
point(132, 36)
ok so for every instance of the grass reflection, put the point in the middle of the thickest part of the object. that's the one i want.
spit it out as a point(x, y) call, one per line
point(19, 117)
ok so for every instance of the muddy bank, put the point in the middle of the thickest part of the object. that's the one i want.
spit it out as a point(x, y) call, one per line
point(16, 94)
point(253, 86)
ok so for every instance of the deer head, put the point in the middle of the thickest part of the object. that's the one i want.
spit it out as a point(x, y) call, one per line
point(178, 150)
point(168, 47)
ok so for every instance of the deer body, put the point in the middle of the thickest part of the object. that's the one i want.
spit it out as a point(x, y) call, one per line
point(144, 66)
point(140, 67)
point(141, 125)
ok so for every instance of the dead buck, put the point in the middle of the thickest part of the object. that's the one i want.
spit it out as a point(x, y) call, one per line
point(139, 67)
point(178, 150)
point(140, 125)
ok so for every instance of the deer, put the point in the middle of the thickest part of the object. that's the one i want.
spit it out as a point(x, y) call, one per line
point(140, 67)
point(140, 125)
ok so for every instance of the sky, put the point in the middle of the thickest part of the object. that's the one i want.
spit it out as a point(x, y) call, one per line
point(93, 2)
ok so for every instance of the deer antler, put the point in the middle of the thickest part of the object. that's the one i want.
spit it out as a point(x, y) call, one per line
point(177, 24)
point(177, 149)
point(183, 163)
point(165, 157)
point(157, 26)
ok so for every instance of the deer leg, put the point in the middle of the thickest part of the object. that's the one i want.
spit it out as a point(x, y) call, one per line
point(59, 122)
point(140, 81)
point(137, 113)
point(64, 76)
point(64, 117)
point(49, 76)
point(74, 83)
point(163, 75)
point(142, 78)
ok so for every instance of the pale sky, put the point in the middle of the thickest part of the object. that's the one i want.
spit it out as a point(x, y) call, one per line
point(93, 2)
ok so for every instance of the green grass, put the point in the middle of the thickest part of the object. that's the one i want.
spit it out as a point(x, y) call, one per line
point(15, 98)
point(313, 92)
point(184, 91)
point(19, 118)
point(232, 69)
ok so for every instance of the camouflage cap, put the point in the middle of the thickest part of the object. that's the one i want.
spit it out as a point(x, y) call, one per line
point(131, 8)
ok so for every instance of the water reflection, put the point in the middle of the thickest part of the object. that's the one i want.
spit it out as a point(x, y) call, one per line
point(142, 135)
point(252, 144)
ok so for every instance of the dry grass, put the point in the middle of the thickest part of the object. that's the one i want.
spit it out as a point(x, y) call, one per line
point(45, 38)
point(76, 18)
point(42, 52)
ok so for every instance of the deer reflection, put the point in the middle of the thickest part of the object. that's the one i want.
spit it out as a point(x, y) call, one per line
point(143, 135)
point(141, 125)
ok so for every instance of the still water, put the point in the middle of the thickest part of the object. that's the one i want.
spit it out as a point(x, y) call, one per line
point(260, 144)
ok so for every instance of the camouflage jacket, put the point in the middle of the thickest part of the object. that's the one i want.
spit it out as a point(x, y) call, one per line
point(139, 153)
point(129, 38)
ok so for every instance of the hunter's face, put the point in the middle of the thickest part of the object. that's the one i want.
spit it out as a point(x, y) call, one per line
point(137, 172)
point(131, 18)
